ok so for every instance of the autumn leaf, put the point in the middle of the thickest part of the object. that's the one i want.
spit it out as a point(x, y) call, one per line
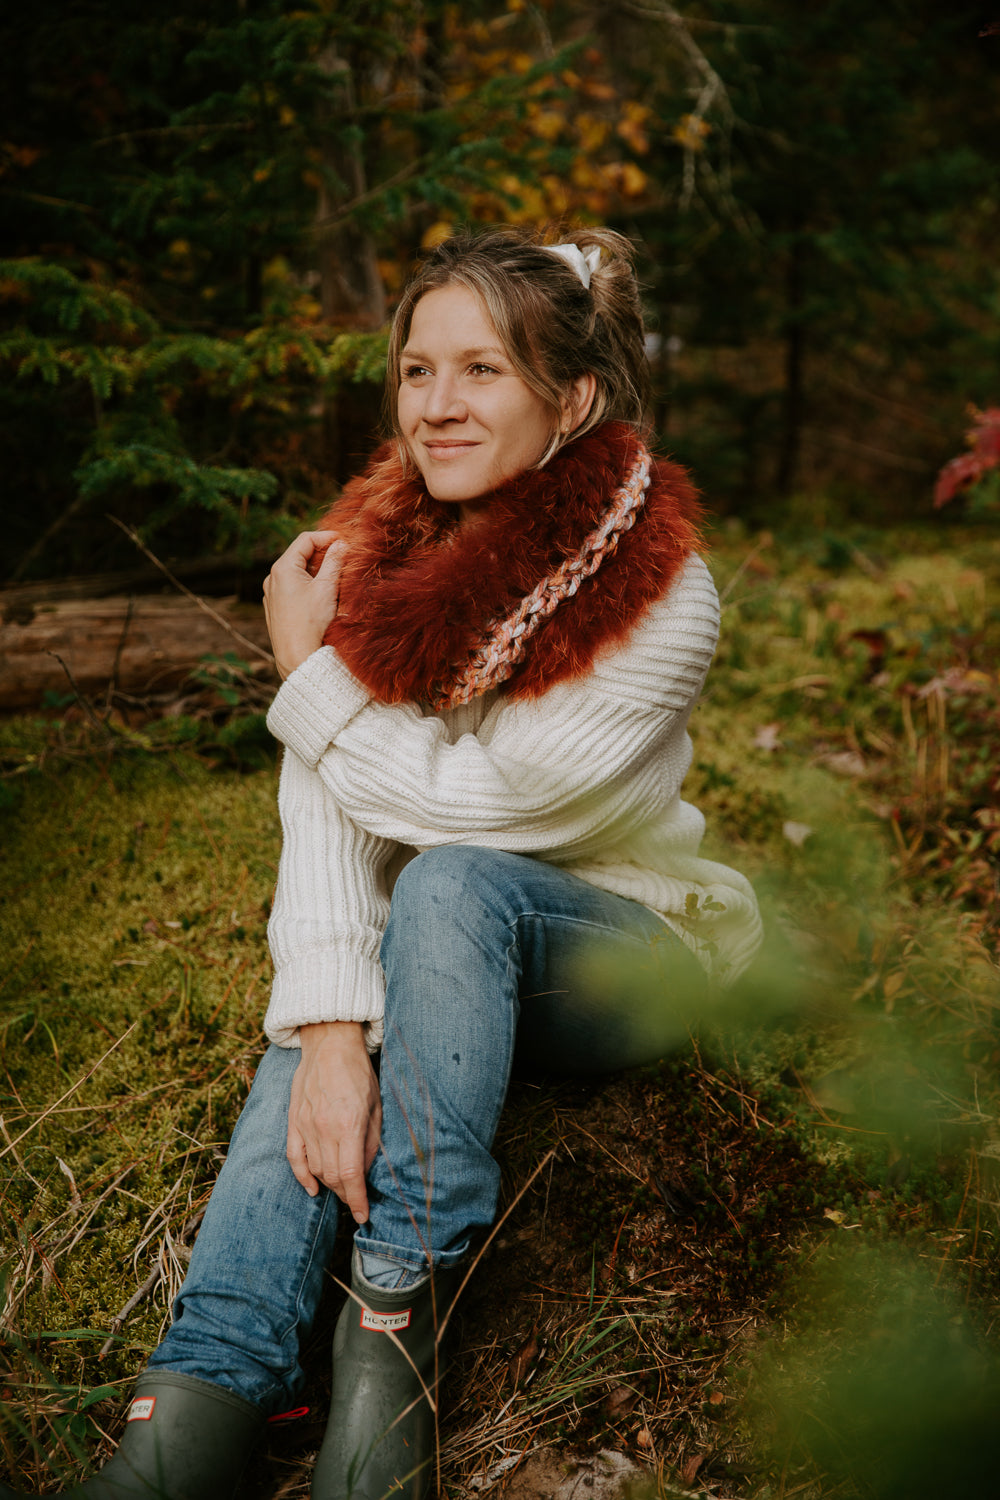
point(436, 233)
point(962, 472)
point(523, 1361)
point(691, 132)
point(634, 180)
point(547, 124)
point(691, 1466)
point(620, 1402)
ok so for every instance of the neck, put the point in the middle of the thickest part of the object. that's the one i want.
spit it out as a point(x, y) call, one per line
point(470, 512)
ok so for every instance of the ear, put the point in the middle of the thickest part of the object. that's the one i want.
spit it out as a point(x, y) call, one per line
point(576, 403)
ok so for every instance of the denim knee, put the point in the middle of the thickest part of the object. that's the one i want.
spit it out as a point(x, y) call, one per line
point(452, 926)
point(431, 880)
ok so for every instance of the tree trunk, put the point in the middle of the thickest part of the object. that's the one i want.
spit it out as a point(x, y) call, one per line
point(794, 394)
point(351, 290)
point(350, 286)
point(142, 647)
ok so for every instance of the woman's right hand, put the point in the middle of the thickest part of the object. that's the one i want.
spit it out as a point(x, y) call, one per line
point(299, 605)
point(335, 1115)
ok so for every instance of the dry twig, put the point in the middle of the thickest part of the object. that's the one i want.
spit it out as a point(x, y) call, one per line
point(202, 605)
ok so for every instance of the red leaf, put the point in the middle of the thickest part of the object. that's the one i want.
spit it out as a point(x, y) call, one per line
point(984, 440)
point(956, 475)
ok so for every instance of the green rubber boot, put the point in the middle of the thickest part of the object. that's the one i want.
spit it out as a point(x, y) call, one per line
point(380, 1434)
point(184, 1439)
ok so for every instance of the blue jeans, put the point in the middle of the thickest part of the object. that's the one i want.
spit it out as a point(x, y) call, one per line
point(493, 962)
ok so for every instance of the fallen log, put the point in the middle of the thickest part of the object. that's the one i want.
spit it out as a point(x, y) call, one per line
point(143, 647)
point(217, 575)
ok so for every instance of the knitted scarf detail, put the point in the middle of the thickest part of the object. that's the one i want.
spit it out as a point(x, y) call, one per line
point(558, 565)
point(495, 657)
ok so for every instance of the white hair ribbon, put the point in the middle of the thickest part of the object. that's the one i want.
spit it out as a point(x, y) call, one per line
point(583, 264)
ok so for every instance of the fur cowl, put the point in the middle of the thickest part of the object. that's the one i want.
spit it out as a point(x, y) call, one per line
point(416, 592)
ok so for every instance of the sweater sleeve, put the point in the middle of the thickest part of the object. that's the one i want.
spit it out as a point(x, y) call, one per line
point(330, 910)
point(563, 776)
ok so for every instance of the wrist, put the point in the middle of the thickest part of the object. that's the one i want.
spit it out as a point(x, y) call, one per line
point(333, 1036)
point(291, 658)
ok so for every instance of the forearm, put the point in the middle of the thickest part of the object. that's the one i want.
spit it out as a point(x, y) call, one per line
point(330, 910)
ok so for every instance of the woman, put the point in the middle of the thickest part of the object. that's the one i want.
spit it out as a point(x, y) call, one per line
point(489, 653)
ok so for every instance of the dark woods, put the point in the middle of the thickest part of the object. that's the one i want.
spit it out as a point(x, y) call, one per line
point(207, 210)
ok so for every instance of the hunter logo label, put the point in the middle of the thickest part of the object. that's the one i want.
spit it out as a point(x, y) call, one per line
point(141, 1409)
point(385, 1322)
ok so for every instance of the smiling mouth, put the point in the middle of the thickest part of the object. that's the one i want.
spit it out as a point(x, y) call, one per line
point(449, 450)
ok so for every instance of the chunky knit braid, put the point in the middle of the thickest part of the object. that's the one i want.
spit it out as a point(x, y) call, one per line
point(497, 652)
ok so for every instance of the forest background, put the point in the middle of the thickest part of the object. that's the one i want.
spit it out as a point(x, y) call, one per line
point(767, 1267)
point(208, 209)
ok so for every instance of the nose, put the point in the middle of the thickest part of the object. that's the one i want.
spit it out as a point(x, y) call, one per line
point(443, 399)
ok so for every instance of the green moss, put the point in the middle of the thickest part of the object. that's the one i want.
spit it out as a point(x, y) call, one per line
point(135, 935)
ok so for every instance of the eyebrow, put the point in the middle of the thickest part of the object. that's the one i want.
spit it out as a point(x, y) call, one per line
point(493, 352)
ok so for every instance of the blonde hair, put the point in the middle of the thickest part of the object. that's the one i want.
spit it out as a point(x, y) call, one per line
point(552, 327)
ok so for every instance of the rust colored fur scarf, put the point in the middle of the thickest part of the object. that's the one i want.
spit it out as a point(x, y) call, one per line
point(416, 592)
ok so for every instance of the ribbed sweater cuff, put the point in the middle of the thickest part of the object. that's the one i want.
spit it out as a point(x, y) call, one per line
point(325, 984)
point(314, 704)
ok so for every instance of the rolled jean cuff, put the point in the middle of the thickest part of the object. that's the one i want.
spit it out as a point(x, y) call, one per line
point(386, 1275)
point(406, 1258)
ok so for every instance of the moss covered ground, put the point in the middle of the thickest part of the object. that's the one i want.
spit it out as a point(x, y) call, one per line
point(722, 1255)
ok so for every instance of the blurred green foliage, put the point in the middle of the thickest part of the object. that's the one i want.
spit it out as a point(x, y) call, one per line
point(887, 1388)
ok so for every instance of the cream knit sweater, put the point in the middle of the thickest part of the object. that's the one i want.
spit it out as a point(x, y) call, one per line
point(587, 776)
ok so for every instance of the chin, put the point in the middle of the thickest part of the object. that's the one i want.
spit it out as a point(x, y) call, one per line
point(451, 489)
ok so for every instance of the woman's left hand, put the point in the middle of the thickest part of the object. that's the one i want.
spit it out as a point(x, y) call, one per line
point(298, 606)
point(335, 1114)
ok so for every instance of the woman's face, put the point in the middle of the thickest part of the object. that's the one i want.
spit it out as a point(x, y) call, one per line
point(469, 420)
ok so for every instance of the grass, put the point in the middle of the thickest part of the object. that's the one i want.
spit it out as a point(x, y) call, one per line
point(728, 1247)
point(136, 970)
